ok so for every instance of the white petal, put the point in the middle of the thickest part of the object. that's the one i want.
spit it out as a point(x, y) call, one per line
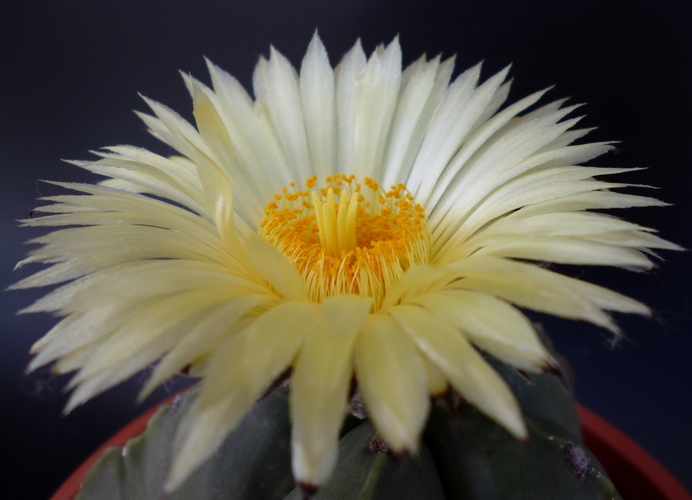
point(417, 278)
point(458, 118)
point(492, 325)
point(397, 167)
point(273, 266)
point(542, 290)
point(346, 75)
point(317, 97)
point(239, 371)
point(472, 145)
point(496, 166)
point(392, 378)
point(320, 385)
point(444, 132)
point(467, 371)
point(531, 188)
point(202, 338)
point(262, 166)
point(216, 178)
point(376, 93)
point(277, 88)
point(182, 136)
point(417, 83)
point(145, 337)
point(564, 250)
point(181, 176)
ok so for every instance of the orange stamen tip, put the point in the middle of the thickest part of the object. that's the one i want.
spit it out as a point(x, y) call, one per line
point(343, 239)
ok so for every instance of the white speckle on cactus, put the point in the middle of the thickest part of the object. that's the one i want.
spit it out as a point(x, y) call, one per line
point(576, 459)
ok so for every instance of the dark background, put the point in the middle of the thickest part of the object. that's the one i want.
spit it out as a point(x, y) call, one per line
point(69, 76)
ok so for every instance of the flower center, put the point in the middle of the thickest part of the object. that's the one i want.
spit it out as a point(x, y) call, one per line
point(348, 238)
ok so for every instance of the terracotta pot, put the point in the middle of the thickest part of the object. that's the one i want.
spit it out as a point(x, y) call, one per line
point(636, 474)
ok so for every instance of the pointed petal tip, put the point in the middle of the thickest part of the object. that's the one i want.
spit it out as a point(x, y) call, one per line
point(378, 445)
point(169, 486)
point(141, 115)
point(307, 490)
point(518, 429)
point(145, 392)
point(211, 67)
point(29, 369)
point(549, 364)
point(145, 98)
point(70, 406)
point(555, 369)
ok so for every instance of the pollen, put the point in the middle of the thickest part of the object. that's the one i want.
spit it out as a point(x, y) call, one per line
point(347, 237)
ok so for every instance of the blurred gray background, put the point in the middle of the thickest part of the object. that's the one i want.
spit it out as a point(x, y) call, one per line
point(70, 72)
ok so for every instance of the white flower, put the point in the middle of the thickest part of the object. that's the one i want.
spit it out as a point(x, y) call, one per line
point(361, 221)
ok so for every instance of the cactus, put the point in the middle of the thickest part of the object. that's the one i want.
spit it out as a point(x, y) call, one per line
point(463, 455)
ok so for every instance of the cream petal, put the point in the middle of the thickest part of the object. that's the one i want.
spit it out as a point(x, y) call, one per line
point(279, 92)
point(440, 141)
point(179, 133)
point(532, 188)
point(437, 383)
point(262, 165)
point(115, 207)
point(77, 331)
point(539, 289)
point(496, 166)
point(565, 250)
point(395, 174)
point(346, 75)
point(273, 266)
point(491, 324)
point(239, 371)
point(199, 436)
point(164, 170)
point(577, 224)
point(392, 379)
point(640, 240)
point(148, 334)
point(318, 101)
point(416, 278)
point(417, 84)
point(587, 199)
point(198, 341)
point(376, 93)
point(143, 242)
point(450, 128)
point(248, 362)
point(565, 237)
point(466, 370)
point(320, 385)
point(216, 179)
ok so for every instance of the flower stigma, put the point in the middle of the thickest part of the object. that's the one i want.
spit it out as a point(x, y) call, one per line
point(347, 237)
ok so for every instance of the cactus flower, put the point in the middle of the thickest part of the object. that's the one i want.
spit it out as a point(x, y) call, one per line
point(361, 226)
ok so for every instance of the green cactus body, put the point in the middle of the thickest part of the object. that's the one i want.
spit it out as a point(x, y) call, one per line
point(464, 455)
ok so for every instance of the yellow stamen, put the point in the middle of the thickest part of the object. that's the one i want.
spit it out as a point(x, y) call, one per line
point(360, 243)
